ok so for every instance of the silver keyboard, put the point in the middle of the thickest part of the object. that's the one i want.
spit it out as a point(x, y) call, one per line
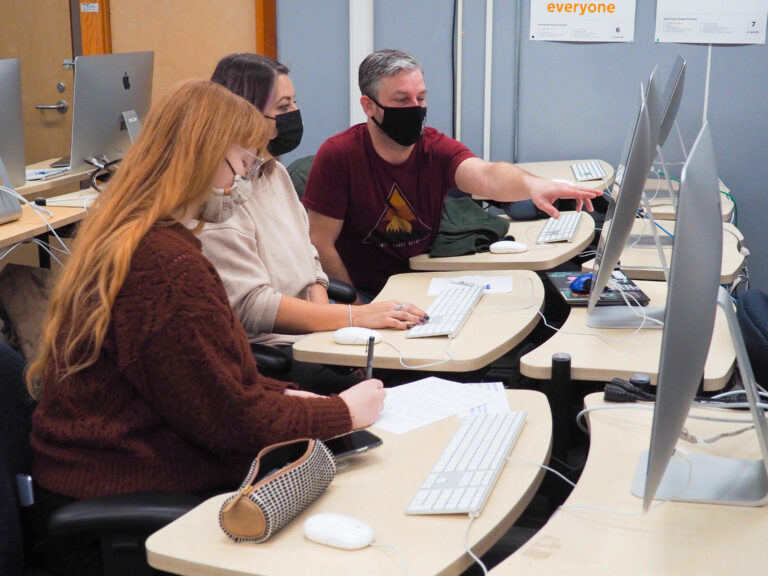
point(560, 229)
point(448, 311)
point(462, 478)
point(587, 170)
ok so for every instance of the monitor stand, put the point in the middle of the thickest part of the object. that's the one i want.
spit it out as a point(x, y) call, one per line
point(129, 121)
point(132, 123)
point(670, 192)
point(717, 479)
point(652, 240)
point(10, 207)
point(626, 317)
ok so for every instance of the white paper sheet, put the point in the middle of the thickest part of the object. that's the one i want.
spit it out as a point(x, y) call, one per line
point(711, 21)
point(608, 21)
point(429, 400)
point(493, 284)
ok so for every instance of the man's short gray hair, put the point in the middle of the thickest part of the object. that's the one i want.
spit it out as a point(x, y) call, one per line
point(382, 64)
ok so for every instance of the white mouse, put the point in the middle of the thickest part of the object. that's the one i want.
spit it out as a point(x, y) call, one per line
point(508, 247)
point(355, 335)
point(338, 530)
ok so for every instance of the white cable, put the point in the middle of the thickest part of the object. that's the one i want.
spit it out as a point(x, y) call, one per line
point(577, 333)
point(21, 198)
point(41, 212)
point(420, 366)
point(399, 554)
point(573, 484)
point(649, 406)
point(10, 249)
point(543, 467)
point(633, 309)
point(44, 246)
point(466, 544)
point(736, 393)
point(693, 439)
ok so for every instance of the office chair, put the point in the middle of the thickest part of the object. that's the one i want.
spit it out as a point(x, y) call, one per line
point(752, 313)
point(123, 522)
point(274, 363)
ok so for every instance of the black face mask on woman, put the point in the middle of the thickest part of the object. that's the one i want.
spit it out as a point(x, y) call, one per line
point(403, 125)
point(290, 128)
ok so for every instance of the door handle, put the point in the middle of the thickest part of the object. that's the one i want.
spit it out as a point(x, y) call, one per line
point(61, 106)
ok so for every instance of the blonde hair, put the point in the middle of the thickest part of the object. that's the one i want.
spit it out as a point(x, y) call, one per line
point(165, 174)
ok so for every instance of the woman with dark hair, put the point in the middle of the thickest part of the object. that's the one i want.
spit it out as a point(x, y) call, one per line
point(270, 269)
point(144, 375)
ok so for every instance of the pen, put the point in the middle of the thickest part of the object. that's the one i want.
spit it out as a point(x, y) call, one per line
point(463, 283)
point(369, 362)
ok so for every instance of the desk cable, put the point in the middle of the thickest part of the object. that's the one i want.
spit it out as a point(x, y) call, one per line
point(42, 213)
point(645, 318)
point(420, 366)
point(474, 515)
point(397, 550)
point(690, 438)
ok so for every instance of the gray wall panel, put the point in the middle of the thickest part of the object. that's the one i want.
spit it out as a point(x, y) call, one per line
point(576, 100)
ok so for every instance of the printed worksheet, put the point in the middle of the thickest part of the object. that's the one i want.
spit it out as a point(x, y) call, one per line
point(711, 21)
point(429, 400)
point(611, 21)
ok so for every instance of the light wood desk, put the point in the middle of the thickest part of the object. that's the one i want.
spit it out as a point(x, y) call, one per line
point(537, 257)
point(643, 262)
point(593, 358)
point(498, 323)
point(64, 183)
point(33, 224)
point(674, 538)
point(662, 206)
point(375, 489)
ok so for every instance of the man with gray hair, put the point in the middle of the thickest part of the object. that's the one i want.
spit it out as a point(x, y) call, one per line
point(375, 192)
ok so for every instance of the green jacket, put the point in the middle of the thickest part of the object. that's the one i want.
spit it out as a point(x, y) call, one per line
point(465, 228)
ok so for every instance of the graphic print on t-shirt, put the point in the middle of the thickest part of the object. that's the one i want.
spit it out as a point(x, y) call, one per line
point(398, 224)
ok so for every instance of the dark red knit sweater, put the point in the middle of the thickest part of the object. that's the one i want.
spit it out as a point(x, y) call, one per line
point(175, 401)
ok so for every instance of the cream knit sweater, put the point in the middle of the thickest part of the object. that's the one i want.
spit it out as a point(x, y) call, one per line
point(262, 252)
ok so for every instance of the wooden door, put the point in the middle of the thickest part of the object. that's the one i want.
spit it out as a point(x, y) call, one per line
point(39, 34)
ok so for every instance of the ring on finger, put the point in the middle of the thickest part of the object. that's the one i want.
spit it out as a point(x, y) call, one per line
point(399, 307)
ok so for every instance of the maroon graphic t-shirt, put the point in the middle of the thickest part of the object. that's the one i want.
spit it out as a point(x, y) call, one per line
point(390, 212)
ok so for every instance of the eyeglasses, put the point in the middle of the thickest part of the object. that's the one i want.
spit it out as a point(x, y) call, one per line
point(253, 170)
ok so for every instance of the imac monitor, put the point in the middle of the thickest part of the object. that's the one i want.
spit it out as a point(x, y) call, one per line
point(693, 295)
point(671, 98)
point(11, 123)
point(673, 95)
point(654, 101)
point(626, 195)
point(10, 208)
point(112, 94)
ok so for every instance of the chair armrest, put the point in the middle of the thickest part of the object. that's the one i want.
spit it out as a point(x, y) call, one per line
point(270, 359)
point(341, 291)
point(142, 512)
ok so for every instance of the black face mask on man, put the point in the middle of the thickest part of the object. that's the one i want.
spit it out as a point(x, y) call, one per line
point(403, 125)
point(290, 128)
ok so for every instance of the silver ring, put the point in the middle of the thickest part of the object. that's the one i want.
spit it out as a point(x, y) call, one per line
point(399, 307)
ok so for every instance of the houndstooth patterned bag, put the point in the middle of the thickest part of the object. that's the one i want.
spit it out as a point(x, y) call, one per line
point(283, 480)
